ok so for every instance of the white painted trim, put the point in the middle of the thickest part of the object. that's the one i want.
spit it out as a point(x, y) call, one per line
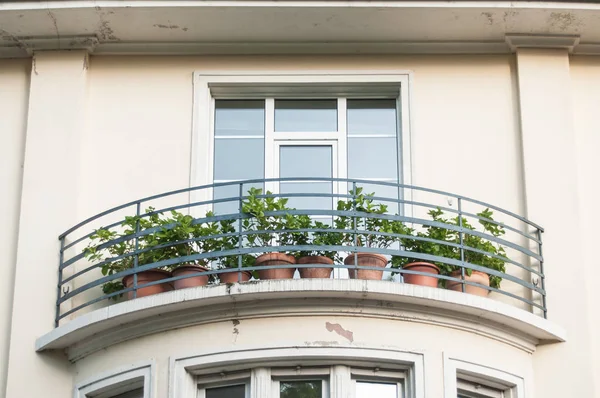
point(145, 370)
point(203, 131)
point(502, 379)
point(118, 322)
point(46, 5)
point(185, 366)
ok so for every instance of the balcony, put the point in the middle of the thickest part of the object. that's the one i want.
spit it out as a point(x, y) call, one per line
point(405, 244)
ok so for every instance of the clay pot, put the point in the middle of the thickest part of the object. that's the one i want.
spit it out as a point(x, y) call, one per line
point(147, 277)
point(232, 276)
point(315, 272)
point(275, 259)
point(421, 280)
point(366, 260)
point(194, 281)
point(476, 277)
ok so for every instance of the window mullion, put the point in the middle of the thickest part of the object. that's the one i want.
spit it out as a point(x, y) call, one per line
point(269, 142)
point(340, 382)
point(261, 384)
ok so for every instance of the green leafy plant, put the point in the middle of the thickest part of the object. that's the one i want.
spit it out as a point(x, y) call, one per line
point(158, 235)
point(483, 257)
point(258, 207)
point(228, 242)
point(365, 204)
point(320, 240)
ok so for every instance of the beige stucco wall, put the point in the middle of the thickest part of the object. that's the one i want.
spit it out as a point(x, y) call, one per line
point(433, 342)
point(135, 141)
point(14, 80)
point(585, 76)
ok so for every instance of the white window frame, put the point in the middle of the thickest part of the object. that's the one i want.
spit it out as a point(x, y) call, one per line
point(479, 381)
point(266, 362)
point(209, 85)
point(118, 381)
point(223, 380)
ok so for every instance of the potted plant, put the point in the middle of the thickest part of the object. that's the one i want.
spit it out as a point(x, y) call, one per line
point(122, 251)
point(183, 228)
point(229, 242)
point(484, 257)
point(375, 236)
point(258, 208)
point(423, 246)
point(320, 240)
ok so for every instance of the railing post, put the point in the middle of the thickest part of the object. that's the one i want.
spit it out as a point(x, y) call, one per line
point(462, 248)
point(355, 230)
point(543, 276)
point(137, 245)
point(60, 279)
point(240, 236)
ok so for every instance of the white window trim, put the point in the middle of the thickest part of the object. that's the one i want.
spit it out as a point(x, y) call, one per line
point(184, 371)
point(206, 82)
point(511, 385)
point(95, 385)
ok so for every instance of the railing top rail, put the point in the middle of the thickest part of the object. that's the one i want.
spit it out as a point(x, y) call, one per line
point(308, 179)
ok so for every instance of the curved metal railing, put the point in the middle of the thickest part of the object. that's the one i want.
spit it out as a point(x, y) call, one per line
point(414, 224)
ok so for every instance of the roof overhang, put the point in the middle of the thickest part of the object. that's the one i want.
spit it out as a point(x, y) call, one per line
point(296, 27)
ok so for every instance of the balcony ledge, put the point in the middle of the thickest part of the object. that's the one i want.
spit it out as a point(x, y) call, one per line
point(131, 319)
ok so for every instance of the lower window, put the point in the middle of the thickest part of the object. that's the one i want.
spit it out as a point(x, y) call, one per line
point(306, 382)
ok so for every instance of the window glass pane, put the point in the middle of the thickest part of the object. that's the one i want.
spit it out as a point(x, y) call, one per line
point(308, 202)
point(305, 161)
point(239, 117)
point(380, 390)
point(372, 158)
point(305, 115)
point(372, 116)
point(230, 191)
point(237, 159)
point(238, 391)
point(301, 389)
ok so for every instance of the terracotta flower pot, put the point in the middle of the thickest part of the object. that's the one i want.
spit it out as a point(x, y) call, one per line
point(366, 260)
point(421, 280)
point(232, 276)
point(476, 277)
point(194, 281)
point(275, 259)
point(315, 272)
point(147, 277)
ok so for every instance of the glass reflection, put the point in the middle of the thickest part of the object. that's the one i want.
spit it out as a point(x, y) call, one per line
point(380, 390)
point(301, 389)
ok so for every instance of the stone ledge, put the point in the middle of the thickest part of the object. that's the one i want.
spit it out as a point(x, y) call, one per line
point(299, 297)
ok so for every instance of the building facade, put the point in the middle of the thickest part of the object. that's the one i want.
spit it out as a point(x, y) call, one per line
point(457, 106)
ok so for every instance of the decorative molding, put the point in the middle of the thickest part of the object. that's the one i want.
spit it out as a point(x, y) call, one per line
point(300, 297)
point(183, 369)
point(261, 386)
point(22, 47)
point(516, 41)
point(339, 381)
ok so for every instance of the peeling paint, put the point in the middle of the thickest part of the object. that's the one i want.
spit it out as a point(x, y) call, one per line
point(336, 327)
point(489, 16)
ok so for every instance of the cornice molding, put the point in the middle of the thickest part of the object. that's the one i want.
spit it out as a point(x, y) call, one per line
point(516, 41)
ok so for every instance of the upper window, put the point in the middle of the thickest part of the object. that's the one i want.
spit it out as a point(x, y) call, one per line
point(344, 137)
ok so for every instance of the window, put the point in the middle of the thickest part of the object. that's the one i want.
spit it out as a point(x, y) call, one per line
point(233, 385)
point(133, 382)
point(303, 138)
point(309, 382)
point(468, 380)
